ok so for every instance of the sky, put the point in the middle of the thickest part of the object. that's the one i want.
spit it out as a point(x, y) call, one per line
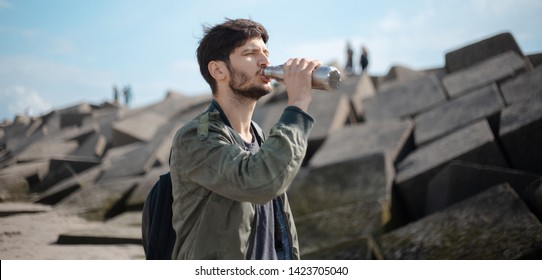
point(58, 53)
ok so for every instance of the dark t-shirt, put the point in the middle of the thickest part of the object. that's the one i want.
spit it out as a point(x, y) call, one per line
point(269, 226)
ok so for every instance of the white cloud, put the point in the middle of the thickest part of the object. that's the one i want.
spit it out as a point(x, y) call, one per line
point(58, 84)
point(21, 100)
point(50, 72)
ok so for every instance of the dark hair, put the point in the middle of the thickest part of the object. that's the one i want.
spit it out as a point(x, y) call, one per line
point(221, 40)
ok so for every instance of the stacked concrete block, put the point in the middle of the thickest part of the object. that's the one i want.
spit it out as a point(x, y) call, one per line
point(474, 143)
point(405, 99)
point(139, 128)
point(494, 224)
point(331, 111)
point(128, 160)
point(92, 146)
point(390, 136)
point(489, 71)
point(460, 180)
point(451, 116)
point(18, 208)
point(102, 234)
point(381, 162)
point(100, 201)
point(47, 148)
point(398, 74)
point(471, 54)
point(103, 120)
point(363, 248)
point(75, 116)
point(66, 187)
point(139, 195)
point(13, 187)
point(342, 201)
point(521, 134)
point(357, 88)
point(32, 172)
point(535, 199)
point(330, 228)
point(535, 59)
point(524, 87)
point(18, 135)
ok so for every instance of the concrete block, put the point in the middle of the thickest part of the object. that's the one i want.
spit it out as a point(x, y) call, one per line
point(364, 179)
point(138, 158)
point(494, 224)
point(74, 115)
point(68, 186)
point(364, 248)
point(126, 219)
point(33, 172)
point(534, 200)
point(477, 52)
point(330, 110)
point(521, 134)
point(104, 119)
point(13, 187)
point(355, 141)
point(457, 113)
point(102, 235)
point(398, 73)
point(333, 227)
point(100, 201)
point(535, 59)
point(128, 160)
point(17, 208)
point(93, 146)
point(62, 167)
point(405, 99)
point(138, 128)
point(460, 180)
point(492, 70)
point(20, 134)
point(46, 148)
point(139, 195)
point(473, 143)
point(524, 87)
point(357, 88)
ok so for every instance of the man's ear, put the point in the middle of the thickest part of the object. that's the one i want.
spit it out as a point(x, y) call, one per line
point(217, 69)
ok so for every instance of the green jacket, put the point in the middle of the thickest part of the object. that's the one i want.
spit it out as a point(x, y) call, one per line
point(216, 182)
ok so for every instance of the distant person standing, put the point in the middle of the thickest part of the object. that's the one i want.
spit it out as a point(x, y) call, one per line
point(349, 59)
point(127, 91)
point(115, 94)
point(364, 60)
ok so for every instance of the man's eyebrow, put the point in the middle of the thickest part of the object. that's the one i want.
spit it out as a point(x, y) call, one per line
point(252, 49)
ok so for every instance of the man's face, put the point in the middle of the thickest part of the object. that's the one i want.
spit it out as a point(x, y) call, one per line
point(246, 63)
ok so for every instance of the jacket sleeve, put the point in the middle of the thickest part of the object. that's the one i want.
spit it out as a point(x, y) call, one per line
point(213, 160)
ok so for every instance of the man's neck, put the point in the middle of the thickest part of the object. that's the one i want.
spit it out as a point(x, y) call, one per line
point(239, 113)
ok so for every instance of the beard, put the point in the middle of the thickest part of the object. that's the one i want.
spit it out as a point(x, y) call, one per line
point(240, 85)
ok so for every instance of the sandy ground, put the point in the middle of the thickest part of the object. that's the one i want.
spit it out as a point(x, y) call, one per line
point(33, 237)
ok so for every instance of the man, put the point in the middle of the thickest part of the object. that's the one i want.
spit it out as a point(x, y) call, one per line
point(364, 59)
point(229, 185)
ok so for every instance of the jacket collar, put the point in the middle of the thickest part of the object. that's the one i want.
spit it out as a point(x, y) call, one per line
point(257, 130)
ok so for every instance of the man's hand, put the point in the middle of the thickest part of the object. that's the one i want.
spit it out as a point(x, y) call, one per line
point(298, 79)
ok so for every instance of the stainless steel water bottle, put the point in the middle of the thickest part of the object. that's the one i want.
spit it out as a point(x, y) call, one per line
point(323, 78)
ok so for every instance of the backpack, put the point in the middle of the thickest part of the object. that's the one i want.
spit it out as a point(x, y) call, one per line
point(157, 230)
